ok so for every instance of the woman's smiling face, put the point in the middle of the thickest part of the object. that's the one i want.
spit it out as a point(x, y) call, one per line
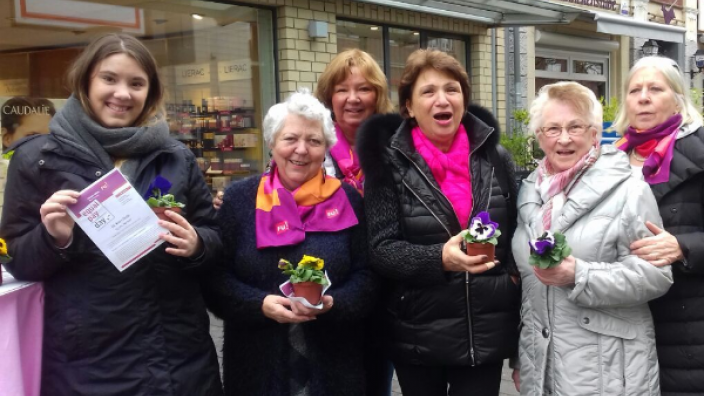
point(118, 91)
point(298, 150)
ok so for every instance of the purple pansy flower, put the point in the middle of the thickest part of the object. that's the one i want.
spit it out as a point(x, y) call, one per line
point(160, 183)
point(543, 244)
point(481, 227)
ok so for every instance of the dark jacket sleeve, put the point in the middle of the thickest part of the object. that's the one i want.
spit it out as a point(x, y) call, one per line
point(509, 165)
point(227, 296)
point(692, 245)
point(354, 299)
point(390, 254)
point(34, 256)
point(202, 216)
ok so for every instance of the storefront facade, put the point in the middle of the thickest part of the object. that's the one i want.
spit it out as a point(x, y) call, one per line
point(226, 63)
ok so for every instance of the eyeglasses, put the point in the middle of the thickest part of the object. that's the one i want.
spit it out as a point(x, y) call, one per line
point(572, 130)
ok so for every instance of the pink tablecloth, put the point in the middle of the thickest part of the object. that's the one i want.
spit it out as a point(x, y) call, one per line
point(21, 329)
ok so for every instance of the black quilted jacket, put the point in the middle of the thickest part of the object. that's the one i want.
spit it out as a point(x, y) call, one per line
point(679, 314)
point(435, 317)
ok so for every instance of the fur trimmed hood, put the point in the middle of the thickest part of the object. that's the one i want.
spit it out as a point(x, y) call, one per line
point(375, 135)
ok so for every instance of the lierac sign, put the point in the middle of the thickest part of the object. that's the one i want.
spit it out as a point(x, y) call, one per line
point(611, 5)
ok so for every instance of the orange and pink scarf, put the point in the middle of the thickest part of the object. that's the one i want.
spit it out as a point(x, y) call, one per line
point(284, 217)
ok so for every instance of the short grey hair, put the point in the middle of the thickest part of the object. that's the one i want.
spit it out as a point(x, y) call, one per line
point(303, 104)
point(582, 99)
point(674, 78)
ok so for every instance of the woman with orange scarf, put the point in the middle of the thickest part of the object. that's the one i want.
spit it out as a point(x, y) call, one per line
point(663, 134)
point(274, 345)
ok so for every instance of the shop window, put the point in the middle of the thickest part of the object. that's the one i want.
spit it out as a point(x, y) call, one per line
point(588, 70)
point(366, 37)
point(391, 46)
point(402, 43)
point(216, 60)
point(455, 47)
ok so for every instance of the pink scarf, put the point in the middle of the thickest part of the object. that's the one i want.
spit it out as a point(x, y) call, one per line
point(656, 145)
point(347, 161)
point(563, 181)
point(451, 170)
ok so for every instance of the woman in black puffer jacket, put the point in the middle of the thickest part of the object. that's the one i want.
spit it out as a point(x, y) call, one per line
point(451, 318)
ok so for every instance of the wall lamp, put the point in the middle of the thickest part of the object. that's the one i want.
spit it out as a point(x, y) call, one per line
point(697, 63)
point(651, 48)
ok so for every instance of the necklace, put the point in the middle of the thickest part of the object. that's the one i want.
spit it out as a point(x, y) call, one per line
point(637, 157)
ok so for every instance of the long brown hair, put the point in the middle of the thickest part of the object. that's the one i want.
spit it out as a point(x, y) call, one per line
point(81, 72)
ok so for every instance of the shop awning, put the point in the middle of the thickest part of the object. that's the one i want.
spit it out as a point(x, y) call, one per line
point(491, 12)
point(623, 26)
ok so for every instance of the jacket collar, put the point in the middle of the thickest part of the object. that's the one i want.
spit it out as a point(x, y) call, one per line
point(477, 131)
point(609, 171)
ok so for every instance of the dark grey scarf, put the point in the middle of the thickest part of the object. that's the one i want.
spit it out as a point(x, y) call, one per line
point(74, 127)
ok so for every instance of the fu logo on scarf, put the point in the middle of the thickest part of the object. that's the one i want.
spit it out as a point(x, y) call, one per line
point(282, 227)
point(331, 213)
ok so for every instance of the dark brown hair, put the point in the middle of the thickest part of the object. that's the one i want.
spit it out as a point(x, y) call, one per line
point(83, 69)
point(421, 60)
point(340, 67)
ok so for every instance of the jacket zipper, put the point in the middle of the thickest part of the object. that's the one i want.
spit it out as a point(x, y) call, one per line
point(466, 274)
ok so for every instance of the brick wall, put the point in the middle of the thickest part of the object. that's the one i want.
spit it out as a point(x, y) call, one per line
point(302, 58)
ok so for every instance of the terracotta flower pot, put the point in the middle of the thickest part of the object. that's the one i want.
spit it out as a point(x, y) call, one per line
point(477, 249)
point(311, 291)
point(162, 216)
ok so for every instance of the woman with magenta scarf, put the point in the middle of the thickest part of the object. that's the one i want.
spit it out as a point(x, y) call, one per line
point(354, 88)
point(451, 317)
point(274, 345)
point(663, 135)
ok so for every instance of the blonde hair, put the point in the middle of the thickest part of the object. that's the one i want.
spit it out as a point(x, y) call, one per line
point(82, 70)
point(579, 97)
point(340, 67)
point(675, 80)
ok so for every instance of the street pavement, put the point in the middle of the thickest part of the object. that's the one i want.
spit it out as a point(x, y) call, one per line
point(507, 388)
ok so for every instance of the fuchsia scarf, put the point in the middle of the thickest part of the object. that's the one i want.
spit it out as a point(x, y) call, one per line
point(562, 181)
point(451, 170)
point(656, 145)
point(283, 217)
point(348, 161)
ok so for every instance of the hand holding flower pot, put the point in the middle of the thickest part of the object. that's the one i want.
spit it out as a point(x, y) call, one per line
point(159, 200)
point(307, 278)
point(482, 236)
point(548, 250)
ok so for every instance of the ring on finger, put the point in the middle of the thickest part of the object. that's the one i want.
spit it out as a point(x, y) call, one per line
point(490, 265)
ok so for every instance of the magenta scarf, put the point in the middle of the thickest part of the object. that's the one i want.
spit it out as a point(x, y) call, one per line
point(347, 161)
point(656, 168)
point(451, 170)
point(563, 181)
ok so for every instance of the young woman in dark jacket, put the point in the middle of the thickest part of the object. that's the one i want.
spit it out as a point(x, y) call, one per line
point(451, 318)
point(144, 331)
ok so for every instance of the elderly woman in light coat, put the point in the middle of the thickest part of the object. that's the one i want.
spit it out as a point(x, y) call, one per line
point(586, 326)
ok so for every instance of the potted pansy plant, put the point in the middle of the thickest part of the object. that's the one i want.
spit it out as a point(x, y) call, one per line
point(482, 236)
point(307, 279)
point(548, 250)
point(4, 257)
point(159, 199)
